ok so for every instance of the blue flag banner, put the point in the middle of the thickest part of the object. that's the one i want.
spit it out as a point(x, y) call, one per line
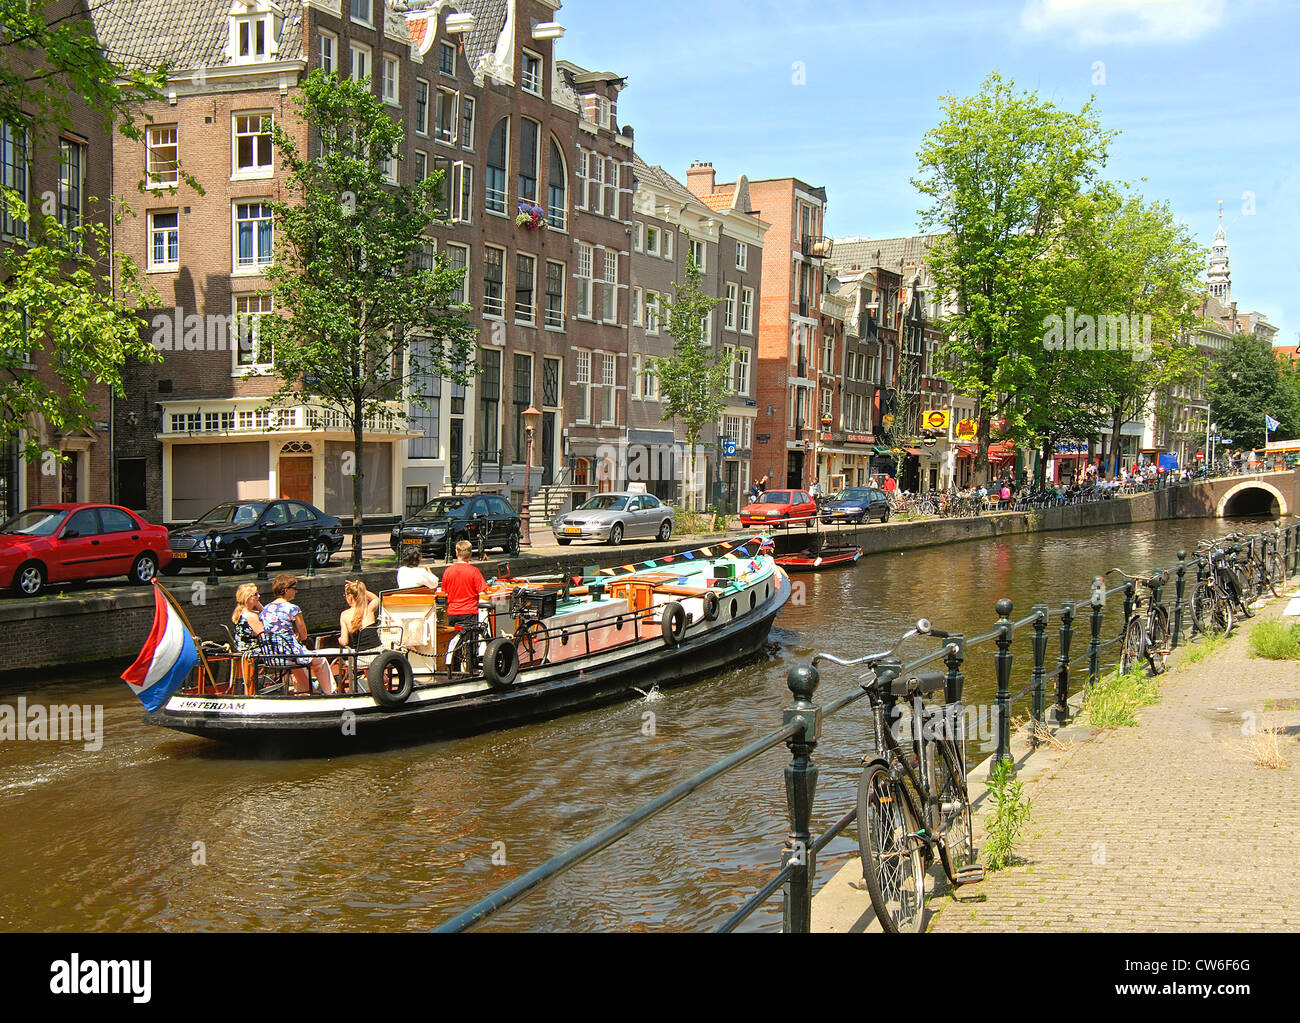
point(1270, 424)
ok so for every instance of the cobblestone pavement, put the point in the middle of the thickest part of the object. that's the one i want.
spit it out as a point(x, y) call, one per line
point(1169, 826)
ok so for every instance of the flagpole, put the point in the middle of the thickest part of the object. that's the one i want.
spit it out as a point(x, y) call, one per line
point(207, 668)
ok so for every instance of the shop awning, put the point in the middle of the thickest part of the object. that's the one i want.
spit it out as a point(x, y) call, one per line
point(966, 452)
point(913, 451)
point(884, 451)
point(1002, 451)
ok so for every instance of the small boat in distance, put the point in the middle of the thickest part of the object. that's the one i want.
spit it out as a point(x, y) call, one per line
point(537, 651)
point(815, 561)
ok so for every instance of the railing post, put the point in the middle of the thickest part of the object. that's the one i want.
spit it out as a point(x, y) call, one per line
point(1039, 677)
point(1130, 589)
point(1062, 708)
point(261, 560)
point(212, 559)
point(800, 788)
point(1094, 643)
point(1002, 660)
point(955, 681)
point(1180, 588)
point(311, 556)
point(1200, 581)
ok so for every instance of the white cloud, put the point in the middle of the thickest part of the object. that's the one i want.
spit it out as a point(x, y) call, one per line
point(1098, 22)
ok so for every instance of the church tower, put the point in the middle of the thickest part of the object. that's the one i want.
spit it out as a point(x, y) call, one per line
point(1219, 276)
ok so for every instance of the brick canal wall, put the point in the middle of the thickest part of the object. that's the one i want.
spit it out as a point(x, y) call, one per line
point(108, 626)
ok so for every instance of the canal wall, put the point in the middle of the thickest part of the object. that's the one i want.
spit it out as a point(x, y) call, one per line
point(108, 626)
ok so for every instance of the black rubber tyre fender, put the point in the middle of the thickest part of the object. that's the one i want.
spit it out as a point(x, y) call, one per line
point(712, 606)
point(400, 668)
point(674, 623)
point(501, 663)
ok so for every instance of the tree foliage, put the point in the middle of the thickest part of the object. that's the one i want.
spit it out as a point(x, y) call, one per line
point(693, 381)
point(366, 308)
point(1246, 385)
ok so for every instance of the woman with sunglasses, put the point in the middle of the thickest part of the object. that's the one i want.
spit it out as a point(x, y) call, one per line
point(283, 620)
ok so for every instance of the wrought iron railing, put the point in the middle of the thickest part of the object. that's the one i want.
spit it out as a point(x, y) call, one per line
point(801, 729)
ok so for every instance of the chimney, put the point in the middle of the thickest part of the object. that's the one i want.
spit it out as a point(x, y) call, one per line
point(700, 179)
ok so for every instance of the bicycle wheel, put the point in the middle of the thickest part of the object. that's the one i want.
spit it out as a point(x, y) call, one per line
point(1200, 608)
point(1276, 574)
point(1134, 646)
point(533, 642)
point(1158, 647)
point(891, 860)
point(1221, 615)
point(957, 840)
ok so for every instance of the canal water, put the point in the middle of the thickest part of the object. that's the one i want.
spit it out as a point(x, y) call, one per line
point(157, 831)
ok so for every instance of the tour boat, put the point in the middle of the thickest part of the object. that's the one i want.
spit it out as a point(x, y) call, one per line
point(539, 651)
point(815, 561)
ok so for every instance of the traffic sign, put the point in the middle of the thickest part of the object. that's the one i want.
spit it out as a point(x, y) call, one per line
point(729, 448)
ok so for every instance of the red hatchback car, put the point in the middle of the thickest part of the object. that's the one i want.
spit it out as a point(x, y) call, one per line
point(56, 543)
point(781, 507)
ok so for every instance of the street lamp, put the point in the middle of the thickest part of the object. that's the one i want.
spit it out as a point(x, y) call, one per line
point(531, 418)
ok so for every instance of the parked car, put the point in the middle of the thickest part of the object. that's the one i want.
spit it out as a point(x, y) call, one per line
point(56, 543)
point(612, 517)
point(295, 532)
point(857, 504)
point(781, 507)
point(477, 518)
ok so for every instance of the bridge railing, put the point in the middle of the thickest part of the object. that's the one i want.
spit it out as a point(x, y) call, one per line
point(1102, 619)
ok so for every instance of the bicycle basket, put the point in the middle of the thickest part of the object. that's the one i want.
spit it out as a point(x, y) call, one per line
point(535, 603)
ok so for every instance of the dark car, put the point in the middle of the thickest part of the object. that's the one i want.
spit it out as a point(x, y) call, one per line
point(482, 519)
point(62, 542)
point(857, 504)
point(230, 536)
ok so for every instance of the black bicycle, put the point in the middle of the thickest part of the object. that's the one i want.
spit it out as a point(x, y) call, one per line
point(1146, 636)
point(912, 800)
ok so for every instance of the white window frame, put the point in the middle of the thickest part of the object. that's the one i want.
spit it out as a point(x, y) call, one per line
point(638, 307)
point(529, 317)
point(499, 314)
point(447, 135)
point(584, 163)
point(652, 238)
point(634, 376)
point(729, 311)
point(609, 389)
point(741, 366)
point(525, 79)
point(467, 131)
point(612, 205)
point(584, 299)
point(742, 256)
point(391, 84)
point(669, 235)
point(259, 262)
point(609, 288)
point(547, 314)
point(582, 385)
point(747, 311)
point(638, 237)
point(460, 193)
point(421, 125)
point(444, 47)
point(167, 265)
point(355, 49)
point(700, 253)
point(154, 141)
point(257, 170)
point(464, 286)
point(653, 313)
point(650, 383)
point(327, 61)
point(257, 366)
point(370, 13)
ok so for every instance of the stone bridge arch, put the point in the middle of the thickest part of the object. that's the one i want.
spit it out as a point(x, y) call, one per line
point(1234, 495)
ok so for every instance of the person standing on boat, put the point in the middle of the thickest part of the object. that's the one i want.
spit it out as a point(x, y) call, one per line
point(412, 575)
point(463, 583)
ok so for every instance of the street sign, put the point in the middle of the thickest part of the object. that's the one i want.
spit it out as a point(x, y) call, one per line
point(729, 448)
point(937, 419)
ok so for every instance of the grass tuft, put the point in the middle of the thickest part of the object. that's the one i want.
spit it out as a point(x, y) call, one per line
point(1114, 701)
point(1275, 641)
point(1203, 648)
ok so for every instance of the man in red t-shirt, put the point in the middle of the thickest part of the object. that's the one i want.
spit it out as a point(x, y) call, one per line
point(463, 583)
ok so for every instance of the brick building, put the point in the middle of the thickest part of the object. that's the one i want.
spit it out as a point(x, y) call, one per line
point(726, 239)
point(789, 321)
point(66, 173)
point(483, 100)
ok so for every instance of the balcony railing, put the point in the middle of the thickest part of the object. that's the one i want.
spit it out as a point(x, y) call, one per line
point(815, 246)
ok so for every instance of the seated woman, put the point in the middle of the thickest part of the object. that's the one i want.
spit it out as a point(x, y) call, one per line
point(357, 623)
point(282, 620)
point(246, 625)
point(411, 575)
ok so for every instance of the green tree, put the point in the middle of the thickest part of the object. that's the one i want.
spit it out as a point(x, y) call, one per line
point(999, 172)
point(1247, 385)
point(60, 307)
point(693, 381)
point(367, 309)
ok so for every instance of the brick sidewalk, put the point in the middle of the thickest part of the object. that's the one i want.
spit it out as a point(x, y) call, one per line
point(1165, 827)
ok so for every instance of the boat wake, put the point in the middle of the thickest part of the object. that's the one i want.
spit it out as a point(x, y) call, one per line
point(653, 696)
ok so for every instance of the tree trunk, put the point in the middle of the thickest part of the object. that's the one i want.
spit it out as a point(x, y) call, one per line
point(358, 424)
point(1113, 456)
point(1049, 446)
point(982, 452)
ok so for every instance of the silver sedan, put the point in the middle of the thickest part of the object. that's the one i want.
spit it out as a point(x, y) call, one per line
point(613, 517)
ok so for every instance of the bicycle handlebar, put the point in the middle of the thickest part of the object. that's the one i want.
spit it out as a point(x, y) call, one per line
point(923, 628)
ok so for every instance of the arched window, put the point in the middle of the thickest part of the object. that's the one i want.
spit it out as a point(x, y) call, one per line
point(582, 473)
point(557, 211)
point(498, 147)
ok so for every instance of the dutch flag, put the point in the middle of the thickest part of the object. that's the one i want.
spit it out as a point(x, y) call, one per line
point(169, 655)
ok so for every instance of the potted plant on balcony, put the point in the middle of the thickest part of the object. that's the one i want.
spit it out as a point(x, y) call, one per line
point(531, 218)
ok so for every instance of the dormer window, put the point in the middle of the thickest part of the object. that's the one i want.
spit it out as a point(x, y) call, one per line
point(253, 31)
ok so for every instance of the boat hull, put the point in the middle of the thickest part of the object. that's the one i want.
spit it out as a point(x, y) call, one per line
point(836, 557)
point(351, 723)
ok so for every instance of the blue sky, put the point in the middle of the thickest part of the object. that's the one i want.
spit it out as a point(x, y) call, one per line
point(1206, 94)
